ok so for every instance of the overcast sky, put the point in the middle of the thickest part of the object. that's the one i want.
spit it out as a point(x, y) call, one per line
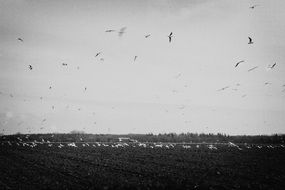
point(170, 87)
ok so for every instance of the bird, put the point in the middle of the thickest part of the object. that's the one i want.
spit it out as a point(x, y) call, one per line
point(253, 6)
point(250, 40)
point(266, 83)
point(252, 68)
point(20, 39)
point(43, 120)
point(177, 76)
point(224, 88)
point(135, 58)
point(85, 88)
point(146, 36)
point(122, 31)
point(272, 66)
point(239, 63)
point(110, 30)
point(170, 36)
point(98, 54)
point(30, 67)
point(64, 64)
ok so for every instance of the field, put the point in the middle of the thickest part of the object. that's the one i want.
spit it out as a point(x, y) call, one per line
point(43, 164)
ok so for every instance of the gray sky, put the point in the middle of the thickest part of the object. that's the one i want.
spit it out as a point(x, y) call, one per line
point(170, 87)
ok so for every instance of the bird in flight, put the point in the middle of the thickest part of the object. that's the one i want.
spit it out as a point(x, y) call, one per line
point(177, 76)
point(110, 30)
point(135, 58)
point(85, 88)
point(122, 31)
point(50, 87)
point(146, 36)
point(253, 6)
point(239, 63)
point(272, 66)
point(169, 37)
point(20, 39)
point(250, 40)
point(64, 64)
point(98, 54)
point(30, 67)
point(224, 88)
point(252, 68)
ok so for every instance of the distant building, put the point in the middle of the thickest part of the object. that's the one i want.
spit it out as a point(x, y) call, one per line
point(126, 139)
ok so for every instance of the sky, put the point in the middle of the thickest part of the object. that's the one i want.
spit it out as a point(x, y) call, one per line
point(190, 84)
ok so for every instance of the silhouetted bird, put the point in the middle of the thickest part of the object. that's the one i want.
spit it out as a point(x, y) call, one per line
point(50, 87)
point(97, 54)
point(64, 64)
point(252, 68)
point(122, 31)
point(20, 39)
point(169, 37)
point(135, 58)
point(250, 40)
point(30, 67)
point(239, 63)
point(224, 88)
point(146, 36)
point(272, 66)
point(252, 7)
point(110, 30)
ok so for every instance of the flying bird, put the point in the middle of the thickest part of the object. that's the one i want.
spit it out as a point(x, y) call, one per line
point(250, 40)
point(30, 67)
point(20, 39)
point(50, 87)
point(253, 6)
point(110, 30)
point(252, 68)
point(122, 31)
point(177, 76)
point(170, 36)
point(239, 63)
point(98, 54)
point(85, 88)
point(135, 58)
point(64, 64)
point(272, 66)
point(146, 36)
point(224, 88)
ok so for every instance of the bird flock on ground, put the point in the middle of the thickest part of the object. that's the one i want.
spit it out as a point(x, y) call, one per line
point(170, 37)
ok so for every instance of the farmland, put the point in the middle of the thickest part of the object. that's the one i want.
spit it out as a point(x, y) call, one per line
point(37, 162)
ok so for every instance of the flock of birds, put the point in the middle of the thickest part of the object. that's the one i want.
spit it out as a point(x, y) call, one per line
point(122, 31)
point(151, 145)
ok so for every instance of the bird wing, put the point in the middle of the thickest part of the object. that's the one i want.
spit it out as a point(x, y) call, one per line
point(239, 63)
point(253, 68)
